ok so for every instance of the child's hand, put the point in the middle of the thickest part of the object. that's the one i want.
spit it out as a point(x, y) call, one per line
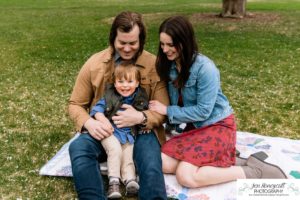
point(156, 106)
point(101, 117)
point(99, 129)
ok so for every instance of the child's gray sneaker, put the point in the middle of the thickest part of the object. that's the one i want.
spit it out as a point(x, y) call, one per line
point(114, 190)
point(132, 188)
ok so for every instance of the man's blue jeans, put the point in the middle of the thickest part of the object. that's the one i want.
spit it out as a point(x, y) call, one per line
point(86, 152)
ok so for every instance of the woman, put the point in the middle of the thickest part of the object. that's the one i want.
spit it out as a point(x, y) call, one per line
point(204, 154)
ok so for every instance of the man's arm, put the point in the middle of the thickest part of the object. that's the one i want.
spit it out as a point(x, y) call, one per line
point(81, 98)
point(160, 94)
point(79, 103)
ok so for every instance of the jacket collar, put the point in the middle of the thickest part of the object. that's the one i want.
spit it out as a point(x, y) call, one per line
point(141, 61)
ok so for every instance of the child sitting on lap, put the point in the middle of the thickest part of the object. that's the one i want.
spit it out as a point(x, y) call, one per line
point(119, 146)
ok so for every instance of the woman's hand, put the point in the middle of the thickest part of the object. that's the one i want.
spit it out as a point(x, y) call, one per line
point(156, 106)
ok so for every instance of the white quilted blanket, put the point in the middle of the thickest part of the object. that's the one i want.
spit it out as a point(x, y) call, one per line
point(282, 152)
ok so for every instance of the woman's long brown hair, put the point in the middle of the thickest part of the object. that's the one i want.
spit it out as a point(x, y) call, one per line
point(182, 33)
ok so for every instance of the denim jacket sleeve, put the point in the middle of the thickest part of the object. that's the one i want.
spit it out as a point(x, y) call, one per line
point(99, 107)
point(199, 94)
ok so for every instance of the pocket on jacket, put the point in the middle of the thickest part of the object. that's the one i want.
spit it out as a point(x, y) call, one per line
point(190, 90)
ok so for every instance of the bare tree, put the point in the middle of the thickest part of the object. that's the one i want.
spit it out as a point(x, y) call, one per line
point(234, 8)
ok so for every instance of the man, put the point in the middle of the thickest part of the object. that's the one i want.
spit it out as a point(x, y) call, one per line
point(127, 39)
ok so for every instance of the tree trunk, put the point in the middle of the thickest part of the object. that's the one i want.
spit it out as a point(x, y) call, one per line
point(234, 8)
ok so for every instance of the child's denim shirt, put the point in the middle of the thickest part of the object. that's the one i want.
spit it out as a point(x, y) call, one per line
point(203, 100)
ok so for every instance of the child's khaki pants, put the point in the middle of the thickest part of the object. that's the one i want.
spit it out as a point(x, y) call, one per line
point(119, 159)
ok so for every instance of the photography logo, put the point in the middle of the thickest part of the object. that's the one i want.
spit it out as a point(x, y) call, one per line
point(268, 189)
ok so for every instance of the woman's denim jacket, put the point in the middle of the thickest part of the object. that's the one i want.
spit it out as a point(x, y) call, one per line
point(203, 100)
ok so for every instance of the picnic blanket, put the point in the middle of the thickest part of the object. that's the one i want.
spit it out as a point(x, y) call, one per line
point(282, 152)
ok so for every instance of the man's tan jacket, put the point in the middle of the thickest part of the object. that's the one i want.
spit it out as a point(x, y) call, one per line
point(94, 75)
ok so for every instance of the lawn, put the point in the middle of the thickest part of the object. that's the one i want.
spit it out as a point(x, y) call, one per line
point(43, 44)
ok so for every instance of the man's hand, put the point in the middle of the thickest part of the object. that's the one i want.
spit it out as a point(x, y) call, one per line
point(156, 106)
point(99, 129)
point(128, 117)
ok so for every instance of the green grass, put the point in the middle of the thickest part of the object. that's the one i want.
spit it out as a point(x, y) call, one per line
point(43, 44)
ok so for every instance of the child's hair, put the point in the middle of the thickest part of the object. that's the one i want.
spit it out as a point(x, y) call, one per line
point(128, 71)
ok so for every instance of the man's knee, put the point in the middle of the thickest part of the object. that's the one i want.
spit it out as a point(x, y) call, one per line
point(82, 146)
point(74, 146)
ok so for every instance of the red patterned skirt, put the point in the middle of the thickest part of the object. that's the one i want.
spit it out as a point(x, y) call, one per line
point(212, 145)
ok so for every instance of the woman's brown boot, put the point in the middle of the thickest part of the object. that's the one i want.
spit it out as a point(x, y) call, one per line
point(256, 169)
point(239, 161)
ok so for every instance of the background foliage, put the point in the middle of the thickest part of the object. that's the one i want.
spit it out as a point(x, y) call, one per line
point(43, 44)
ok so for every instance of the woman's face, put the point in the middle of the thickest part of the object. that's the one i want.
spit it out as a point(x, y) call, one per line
point(167, 46)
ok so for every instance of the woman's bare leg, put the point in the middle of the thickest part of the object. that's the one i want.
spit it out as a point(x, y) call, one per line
point(192, 176)
point(169, 164)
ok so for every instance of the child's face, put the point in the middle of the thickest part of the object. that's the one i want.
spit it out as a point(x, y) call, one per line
point(126, 87)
